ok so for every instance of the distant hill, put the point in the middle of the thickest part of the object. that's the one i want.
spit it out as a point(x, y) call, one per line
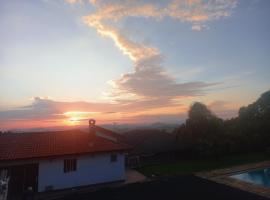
point(122, 128)
point(119, 128)
point(149, 141)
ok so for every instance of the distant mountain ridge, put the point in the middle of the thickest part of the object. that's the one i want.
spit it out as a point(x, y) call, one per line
point(150, 141)
point(122, 128)
point(119, 128)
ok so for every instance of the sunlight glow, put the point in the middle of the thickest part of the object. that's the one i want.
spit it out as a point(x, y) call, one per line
point(76, 117)
point(74, 120)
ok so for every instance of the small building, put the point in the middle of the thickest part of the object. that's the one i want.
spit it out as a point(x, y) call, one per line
point(61, 159)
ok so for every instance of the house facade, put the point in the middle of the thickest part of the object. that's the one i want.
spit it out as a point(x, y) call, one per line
point(86, 170)
point(60, 159)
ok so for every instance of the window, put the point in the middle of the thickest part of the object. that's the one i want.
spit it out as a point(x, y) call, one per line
point(70, 165)
point(113, 157)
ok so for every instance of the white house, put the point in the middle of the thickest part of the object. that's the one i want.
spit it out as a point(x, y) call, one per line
point(61, 159)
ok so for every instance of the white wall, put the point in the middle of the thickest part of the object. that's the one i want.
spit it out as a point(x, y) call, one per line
point(90, 170)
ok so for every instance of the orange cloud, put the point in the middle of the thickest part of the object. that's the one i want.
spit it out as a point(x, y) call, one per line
point(199, 18)
point(149, 79)
point(48, 113)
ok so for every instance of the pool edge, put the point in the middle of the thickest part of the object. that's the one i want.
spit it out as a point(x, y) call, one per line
point(222, 176)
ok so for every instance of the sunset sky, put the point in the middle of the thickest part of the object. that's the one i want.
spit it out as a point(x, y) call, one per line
point(129, 61)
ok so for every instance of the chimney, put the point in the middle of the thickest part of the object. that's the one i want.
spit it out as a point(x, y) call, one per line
point(92, 126)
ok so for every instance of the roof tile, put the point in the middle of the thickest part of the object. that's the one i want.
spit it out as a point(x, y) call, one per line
point(14, 146)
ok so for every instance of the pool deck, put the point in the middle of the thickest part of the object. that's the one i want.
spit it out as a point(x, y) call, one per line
point(223, 176)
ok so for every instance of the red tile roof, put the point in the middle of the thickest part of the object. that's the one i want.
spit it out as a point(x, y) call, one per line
point(110, 133)
point(14, 146)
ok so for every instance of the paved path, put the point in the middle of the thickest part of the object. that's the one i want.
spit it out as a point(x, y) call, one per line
point(173, 188)
point(133, 176)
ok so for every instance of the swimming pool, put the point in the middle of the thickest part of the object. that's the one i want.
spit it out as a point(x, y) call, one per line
point(257, 177)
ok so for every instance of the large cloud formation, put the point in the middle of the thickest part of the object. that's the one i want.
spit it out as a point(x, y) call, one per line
point(148, 90)
point(44, 112)
point(149, 78)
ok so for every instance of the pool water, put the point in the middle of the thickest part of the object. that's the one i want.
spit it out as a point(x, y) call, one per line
point(257, 177)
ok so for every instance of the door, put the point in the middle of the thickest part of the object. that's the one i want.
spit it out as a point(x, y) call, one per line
point(31, 177)
point(21, 178)
point(3, 183)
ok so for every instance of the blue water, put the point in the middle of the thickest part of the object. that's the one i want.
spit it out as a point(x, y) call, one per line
point(257, 177)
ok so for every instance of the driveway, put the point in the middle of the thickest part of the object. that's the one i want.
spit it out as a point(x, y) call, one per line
point(172, 188)
point(133, 176)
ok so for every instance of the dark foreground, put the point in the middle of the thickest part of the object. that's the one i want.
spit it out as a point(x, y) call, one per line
point(181, 187)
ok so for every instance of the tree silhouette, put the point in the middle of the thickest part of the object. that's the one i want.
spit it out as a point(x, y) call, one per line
point(201, 130)
point(205, 134)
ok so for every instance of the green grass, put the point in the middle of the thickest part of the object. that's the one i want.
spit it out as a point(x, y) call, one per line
point(186, 167)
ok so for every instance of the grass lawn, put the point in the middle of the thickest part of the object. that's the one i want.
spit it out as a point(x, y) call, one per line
point(186, 167)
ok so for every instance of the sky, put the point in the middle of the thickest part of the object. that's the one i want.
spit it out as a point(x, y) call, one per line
point(126, 61)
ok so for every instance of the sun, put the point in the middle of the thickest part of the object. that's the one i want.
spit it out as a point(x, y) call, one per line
point(73, 121)
point(73, 118)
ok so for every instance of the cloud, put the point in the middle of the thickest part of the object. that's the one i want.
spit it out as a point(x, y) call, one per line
point(47, 112)
point(42, 109)
point(135, 51)
point(146, 91)
point(193, 11)
point(74, 1)
point(153, 82)
point(199, 27)
point(71, 1)
point(149, 78)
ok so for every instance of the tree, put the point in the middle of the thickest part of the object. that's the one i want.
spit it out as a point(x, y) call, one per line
point(199, 111)
point(254, 123)
point(202, 121)
point(205, 134)
point(202, 130)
